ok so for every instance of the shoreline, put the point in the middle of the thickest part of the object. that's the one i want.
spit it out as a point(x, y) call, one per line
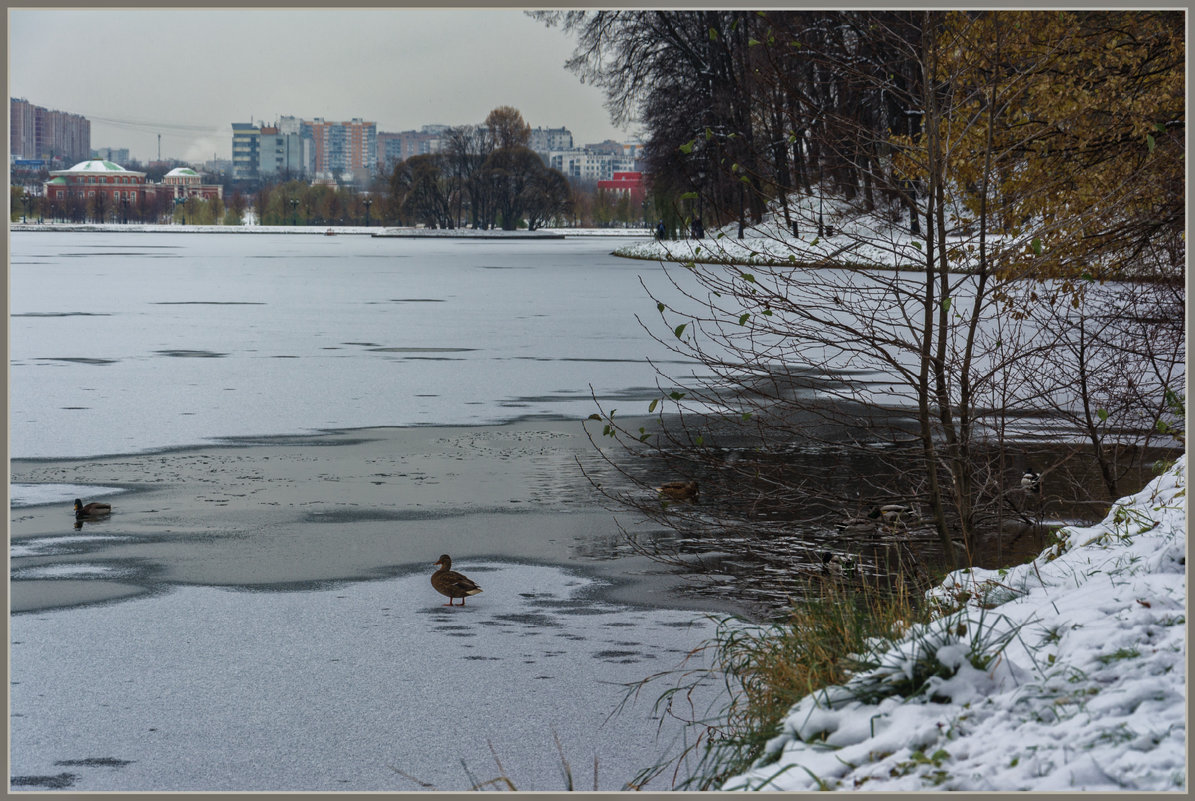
point(374, 231)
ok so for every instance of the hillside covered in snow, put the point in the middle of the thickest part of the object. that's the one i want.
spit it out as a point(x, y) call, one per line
point(1066, 673)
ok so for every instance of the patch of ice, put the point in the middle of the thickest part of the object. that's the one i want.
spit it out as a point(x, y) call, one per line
point(21, 495)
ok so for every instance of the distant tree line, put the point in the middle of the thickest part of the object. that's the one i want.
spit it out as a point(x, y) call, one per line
point(746, 107)
point(485, 177)
point(299, 203)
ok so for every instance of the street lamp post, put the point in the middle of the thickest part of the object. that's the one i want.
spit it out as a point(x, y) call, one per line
point(28, 198)
point(179, 203)
point(294, 206)
point(367, 203)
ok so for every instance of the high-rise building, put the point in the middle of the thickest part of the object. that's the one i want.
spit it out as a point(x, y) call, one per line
point(246, 146)
point(119, 155)
point(270, 151)
point(343, 148)
point(41, 133)
point(396, 147)
point(544, 140)
point(280, 154)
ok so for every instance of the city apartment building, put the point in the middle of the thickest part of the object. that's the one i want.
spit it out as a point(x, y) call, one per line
point(118, 155)
point(281, 154)
point(343, 149)
point(304, 149)
point(590, 165)
point(545, 140)
point(271, 151)
point(246, 145)
point(40, 133)
point(397, 147)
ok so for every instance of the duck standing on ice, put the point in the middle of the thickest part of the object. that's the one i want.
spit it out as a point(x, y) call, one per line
point(449, 582)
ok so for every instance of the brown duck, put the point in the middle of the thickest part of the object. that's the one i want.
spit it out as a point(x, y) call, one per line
point(679, 490)
point(91, 510)
point(448, 582)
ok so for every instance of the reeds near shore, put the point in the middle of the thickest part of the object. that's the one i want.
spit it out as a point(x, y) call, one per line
point(767, 669)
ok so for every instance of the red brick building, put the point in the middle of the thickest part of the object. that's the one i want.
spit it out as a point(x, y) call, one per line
point(111, 191)
point(185, 182)
point(96, 178)
point(626, 182)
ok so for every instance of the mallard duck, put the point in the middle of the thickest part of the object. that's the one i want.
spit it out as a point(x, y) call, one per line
point(91, 510)
point(857, 525)
point(893, 513)
point(1031, 481)
point(679, 490)
point(836, 563)
point(449, 582)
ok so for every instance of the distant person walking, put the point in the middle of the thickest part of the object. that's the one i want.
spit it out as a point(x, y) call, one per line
point(697, 228)
point(660, 231)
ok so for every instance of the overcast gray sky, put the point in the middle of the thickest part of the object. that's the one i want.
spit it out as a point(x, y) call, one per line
point(189, 73)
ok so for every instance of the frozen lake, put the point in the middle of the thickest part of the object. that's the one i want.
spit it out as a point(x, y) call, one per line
point(134, 342)
point(186, 644)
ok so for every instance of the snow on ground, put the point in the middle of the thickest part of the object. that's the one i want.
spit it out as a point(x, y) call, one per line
point(1088, 692)
point(847, 238)
point(342, 687)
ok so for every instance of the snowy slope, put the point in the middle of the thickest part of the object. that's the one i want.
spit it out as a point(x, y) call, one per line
point(1081, 685)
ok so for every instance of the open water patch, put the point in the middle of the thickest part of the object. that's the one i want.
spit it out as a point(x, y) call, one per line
point(191, 354)
point(78, 360)
point(94, 762)
point(60, 781)
point(421, 350)
point(209, 303)
point(94, 254)
point(62, 314)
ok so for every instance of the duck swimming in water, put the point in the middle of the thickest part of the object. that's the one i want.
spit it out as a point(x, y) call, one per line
point(449, 582)
point(91, 510)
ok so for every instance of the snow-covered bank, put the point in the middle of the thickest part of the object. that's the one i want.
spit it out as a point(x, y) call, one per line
point(846, 239)
point(1067, 673)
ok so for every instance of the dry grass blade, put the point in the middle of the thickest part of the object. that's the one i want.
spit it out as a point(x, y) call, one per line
point(409, 777)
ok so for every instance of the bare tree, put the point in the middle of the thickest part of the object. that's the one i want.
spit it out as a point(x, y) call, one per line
point(914, 343)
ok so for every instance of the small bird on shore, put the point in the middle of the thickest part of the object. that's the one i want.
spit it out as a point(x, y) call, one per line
point(1031, 481)
point(91, 510)
point(679, 490)
point(449, 582)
